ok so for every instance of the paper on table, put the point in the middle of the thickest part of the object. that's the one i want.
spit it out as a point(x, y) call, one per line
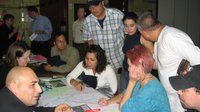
point(45, 78)
point(73, 97)
point(33, 36)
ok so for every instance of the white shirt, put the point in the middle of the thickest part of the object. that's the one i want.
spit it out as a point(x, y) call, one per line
point(171, 47)
point(104, 79)
point(77, 28)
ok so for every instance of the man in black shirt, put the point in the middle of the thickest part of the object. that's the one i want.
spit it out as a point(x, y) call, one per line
point(22, 92)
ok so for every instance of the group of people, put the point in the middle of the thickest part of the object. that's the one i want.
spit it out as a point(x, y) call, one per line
point(137, 44)
point(104, 26)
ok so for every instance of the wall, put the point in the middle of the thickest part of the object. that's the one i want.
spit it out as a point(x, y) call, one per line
point(182, 14)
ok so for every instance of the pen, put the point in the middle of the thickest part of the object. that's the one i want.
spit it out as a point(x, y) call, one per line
point(81, 86)
point(93, 110)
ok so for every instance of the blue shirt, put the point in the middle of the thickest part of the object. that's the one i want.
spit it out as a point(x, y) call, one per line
point(152, 97)
point(41, 23)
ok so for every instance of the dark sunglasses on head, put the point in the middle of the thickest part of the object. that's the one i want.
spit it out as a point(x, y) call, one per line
point(184, 67)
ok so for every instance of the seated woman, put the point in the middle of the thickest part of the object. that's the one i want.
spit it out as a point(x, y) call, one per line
point(17, 55)
point(144, 92)
point(93, 71)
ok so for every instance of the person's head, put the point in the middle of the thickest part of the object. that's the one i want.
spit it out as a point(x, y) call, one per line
point(60, 41)
point(140, 56)
point(8, 19)
point(18, 54)
point(146, 24)
point(129, 21)
point(81, 12)
point(32, 12)
point(95, 58)
point(188, 87)
point(24, 84)
point(97, 8)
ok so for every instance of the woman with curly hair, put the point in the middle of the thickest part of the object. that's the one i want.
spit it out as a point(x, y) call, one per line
point(93, 71)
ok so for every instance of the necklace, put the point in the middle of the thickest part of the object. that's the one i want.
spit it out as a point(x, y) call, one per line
point(146, 79)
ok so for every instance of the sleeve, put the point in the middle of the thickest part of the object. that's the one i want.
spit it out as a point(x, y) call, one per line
point(43, 109)
point(111, 77)
point(86, 31)
point(75, 73)
point(72, 61)
point(47, 26)
point(183, 45)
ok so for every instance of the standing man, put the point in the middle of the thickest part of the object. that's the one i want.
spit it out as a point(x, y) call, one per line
point(171, 46)
point(41, 25)
point(8, 34)
point(104, 26)
point(77, 28)
point(22, 92)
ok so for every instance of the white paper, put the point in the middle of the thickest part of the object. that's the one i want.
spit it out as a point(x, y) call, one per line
point(33, 36)
point(72, 97)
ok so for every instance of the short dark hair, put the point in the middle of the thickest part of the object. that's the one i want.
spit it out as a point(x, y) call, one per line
point(7, 17)
point(130, 15)
point(32, 8)
point(57, 35)
point(100, 55)
point(147, 21)
point(15, 50)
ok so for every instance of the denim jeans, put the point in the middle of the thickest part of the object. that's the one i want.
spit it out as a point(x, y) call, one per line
point(124, 78)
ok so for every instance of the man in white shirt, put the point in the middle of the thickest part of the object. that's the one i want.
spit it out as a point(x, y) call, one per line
point(171, 46)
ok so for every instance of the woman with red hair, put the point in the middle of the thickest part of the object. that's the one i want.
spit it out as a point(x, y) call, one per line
point(144, 92)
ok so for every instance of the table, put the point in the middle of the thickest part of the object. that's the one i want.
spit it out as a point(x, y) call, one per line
point(72, 97)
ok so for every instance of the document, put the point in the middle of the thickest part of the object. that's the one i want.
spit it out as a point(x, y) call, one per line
point(33, 36)
point(81, 108)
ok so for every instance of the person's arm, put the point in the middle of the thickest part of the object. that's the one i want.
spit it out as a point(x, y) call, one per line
point(150, 46)
point(185, 48)
point(43, 109)
point(128, 93)
point(77, 84)
point(147, 44)
point(74, 73)
point(87, 36)
point(47, 27)
point(111, 77)
point(72, 59)
point(133, 78)
point(106, 102)
point(43, 28)
point(58, 108)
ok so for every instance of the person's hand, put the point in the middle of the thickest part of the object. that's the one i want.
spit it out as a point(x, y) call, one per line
point(134, 74)
point(90, 42)
point(79, 86)
point(103, 102)
point(47, 67)
point(63, 108)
